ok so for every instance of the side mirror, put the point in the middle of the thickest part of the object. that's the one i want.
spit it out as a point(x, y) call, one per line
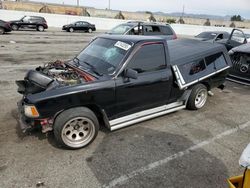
point(130, 73)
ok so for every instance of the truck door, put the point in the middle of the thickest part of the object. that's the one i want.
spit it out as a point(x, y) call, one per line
point(152, 86)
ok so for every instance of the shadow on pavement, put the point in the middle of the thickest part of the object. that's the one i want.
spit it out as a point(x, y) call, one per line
point(129, 149)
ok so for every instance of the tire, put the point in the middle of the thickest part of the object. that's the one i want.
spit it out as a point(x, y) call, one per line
point(40, 28)
point(14, 27)
point(71, 30)
point(76, 128)
point(198, 97)
point(1, 31)
point(90, 30)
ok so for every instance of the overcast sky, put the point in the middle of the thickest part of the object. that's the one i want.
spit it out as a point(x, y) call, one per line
point(214, 7)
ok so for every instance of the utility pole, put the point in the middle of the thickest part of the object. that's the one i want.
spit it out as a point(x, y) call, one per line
point(109, 4)
point(78, 3)
point(183, 9)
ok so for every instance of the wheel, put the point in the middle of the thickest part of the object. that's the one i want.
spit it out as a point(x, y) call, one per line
point(71, 30)
point(90, 30)
point(198, 97)
point(1, 31)
point(40, 28)
point(14, 27)
point(76, 128)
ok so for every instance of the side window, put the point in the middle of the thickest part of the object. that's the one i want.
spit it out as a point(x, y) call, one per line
point(193, 70)
point(148, 58)
point(216, 61)
point(238, 36)
point(152, 30)
point(26, 19)
point(165, 30)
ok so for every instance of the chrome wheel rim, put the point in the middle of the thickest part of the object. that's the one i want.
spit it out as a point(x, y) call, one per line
point(71, 30)
point(90, 30)
point(78, 132)
point(201, 98)
point(40, 28)
point(14, 27)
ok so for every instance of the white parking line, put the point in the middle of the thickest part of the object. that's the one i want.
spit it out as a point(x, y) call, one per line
point(122, 179)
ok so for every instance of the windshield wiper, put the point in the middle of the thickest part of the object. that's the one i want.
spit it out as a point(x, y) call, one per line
point(93, 68)
point(77, 61)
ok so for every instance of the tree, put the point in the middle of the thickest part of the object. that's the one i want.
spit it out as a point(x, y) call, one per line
point(207, 23)
point(236, 18)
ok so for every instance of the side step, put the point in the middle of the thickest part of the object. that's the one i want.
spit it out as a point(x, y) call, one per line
point(145, 115)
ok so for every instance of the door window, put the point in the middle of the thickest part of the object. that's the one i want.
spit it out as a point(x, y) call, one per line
point(148, 58)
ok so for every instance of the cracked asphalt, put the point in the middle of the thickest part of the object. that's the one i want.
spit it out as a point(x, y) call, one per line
point(130, 157)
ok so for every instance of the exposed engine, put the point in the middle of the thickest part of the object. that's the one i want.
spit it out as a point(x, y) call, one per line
point(61, 73)
point(50, 76)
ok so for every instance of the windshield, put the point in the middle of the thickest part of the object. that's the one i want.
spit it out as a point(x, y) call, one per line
point(207, 35)
point(102, 56)
point(121, 29)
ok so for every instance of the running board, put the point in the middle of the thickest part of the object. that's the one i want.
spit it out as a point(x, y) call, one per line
point(145, 115)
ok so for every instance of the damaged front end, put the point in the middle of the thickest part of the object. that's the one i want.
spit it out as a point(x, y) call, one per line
point(240, 72)
point(50, 76)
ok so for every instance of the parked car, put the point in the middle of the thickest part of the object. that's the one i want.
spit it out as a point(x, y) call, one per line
point(239, 51)
point(144, 28)
point(240, 71)
point(79, 26)
point(29, 22)
point(111, 82)
point(4, 27)
point(212, 35)
point(248, 37)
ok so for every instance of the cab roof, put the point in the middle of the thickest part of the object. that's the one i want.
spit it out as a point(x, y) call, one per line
point(132, 38)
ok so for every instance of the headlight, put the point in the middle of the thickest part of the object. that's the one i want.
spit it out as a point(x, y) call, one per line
point(30, 111)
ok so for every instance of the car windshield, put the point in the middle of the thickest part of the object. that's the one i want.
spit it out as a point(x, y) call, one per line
point(121, 29)
point(102, 56)
point(207, 35)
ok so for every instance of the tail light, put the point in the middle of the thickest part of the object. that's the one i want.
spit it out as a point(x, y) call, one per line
point(175, 36)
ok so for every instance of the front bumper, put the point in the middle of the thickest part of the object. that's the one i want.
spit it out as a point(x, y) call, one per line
point(23, 122)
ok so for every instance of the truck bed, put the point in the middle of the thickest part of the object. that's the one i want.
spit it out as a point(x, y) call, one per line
point(185, 50)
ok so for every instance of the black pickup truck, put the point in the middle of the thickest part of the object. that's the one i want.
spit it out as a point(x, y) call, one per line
point(118, 81)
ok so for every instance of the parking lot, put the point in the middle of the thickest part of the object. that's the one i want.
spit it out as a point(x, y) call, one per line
point(182, 149)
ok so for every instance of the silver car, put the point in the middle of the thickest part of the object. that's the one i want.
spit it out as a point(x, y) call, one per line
point(144, 28)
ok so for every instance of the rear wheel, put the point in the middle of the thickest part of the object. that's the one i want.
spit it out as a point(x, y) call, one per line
point(76, 128)
point(198, 97)
point(1, 30)
point(71, 30)
point(14, 27)
point(40, 28)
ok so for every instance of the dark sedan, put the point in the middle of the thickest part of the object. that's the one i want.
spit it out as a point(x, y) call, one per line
point(79, 26)
point(4, 27)
point(212, 35)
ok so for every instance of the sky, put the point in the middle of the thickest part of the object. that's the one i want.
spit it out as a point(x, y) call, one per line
point(213, 7)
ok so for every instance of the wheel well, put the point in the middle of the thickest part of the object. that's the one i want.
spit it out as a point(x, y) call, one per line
point(97, 111)
point(207, 85)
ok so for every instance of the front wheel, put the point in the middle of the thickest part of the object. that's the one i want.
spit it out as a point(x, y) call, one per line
point(71, 30)
point(14, 27)
point(198, 97)
point(90, 30)
point(76, 128)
